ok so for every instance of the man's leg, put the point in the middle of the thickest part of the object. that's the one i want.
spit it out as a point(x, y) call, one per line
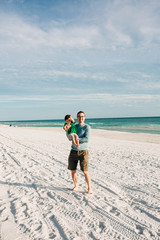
point(74, 177)
point(72, 165)
point(88, 180)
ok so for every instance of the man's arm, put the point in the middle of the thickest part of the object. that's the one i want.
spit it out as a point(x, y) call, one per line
point(87, 135)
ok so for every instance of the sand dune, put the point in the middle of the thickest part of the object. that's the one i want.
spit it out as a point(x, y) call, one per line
point(36, 201)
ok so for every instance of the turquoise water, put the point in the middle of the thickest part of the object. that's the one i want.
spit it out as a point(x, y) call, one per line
point(142, 124)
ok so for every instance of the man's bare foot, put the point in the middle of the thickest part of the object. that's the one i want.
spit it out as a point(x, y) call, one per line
point(75, 188)
point(89, 191)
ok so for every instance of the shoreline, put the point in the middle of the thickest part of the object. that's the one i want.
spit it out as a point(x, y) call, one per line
point(128, 136)
point(116, 135)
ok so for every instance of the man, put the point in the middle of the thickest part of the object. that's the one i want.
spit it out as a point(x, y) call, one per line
point(80, 154)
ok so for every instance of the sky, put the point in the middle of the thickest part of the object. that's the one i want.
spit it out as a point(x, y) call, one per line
point(58, 57)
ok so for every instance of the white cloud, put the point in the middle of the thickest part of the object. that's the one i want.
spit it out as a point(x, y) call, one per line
point(151, 34)
point(85, 97)
point(122, 24)
point(82, 75)
point(121, 97)
point(16, 32)
point(12, 98)
point(12, 1)
point(133, 23)
point(125, 24)
point(117, 37)
point(66, 74)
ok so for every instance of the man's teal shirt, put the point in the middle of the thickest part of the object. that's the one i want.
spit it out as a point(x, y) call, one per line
point(83, 132)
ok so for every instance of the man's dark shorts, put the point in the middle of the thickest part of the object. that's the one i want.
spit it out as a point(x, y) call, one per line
point(76, 156)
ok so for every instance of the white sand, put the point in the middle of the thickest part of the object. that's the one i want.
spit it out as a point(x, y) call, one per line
point(36, 202)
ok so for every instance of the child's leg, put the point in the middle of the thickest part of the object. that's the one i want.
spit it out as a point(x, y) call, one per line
point(72, 138)
point(77, 140)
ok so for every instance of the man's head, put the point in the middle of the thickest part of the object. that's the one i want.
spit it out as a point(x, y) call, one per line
point(81, 117)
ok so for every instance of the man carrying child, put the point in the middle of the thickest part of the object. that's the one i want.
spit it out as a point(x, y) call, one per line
point(79, 150)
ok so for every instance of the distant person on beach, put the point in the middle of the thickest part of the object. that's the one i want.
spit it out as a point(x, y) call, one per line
point(80, 154)
point(70, 128)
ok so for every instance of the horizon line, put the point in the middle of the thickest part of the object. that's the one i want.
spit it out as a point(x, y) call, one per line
point(31, 120)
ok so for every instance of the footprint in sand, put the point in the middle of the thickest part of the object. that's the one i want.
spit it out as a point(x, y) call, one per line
point(113, 210)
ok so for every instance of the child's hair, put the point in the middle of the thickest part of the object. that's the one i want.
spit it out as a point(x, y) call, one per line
point(67, 116)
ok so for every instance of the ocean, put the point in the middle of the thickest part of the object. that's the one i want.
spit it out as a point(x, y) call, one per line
point(132, 124)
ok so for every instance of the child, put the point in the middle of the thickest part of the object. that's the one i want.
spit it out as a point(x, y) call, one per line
point(70, 128)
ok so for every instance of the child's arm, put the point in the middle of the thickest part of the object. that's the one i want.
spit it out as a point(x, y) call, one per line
point(66, 127)
point(72, 120)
